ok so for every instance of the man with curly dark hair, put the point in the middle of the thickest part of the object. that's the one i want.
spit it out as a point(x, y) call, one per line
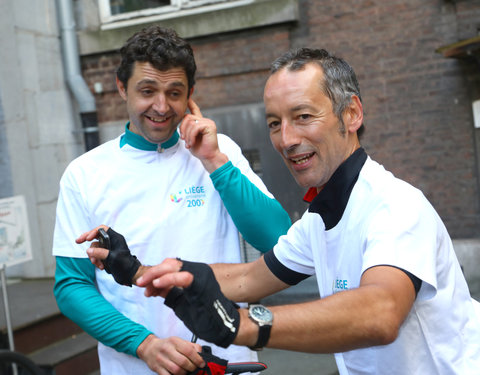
point(173, 187)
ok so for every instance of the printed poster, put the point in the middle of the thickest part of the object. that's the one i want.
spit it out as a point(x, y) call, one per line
point(15, 246)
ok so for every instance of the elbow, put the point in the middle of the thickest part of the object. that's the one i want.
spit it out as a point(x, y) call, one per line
point(384, 322)
point(385, 335)
point(57, 289)
point(59, 294)
point(63, 291)
point(378, 334)
point(385, 330)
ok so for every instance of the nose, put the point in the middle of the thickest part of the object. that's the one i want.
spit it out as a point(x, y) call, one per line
point(160, 104)
point(289, 136)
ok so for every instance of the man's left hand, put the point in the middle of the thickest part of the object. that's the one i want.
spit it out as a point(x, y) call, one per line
point(200, 136)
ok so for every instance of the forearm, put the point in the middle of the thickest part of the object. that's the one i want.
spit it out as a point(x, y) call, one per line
point(260, 219)
point(247, 282)
point(344, 321)
point(79, 300)
point(215, 162)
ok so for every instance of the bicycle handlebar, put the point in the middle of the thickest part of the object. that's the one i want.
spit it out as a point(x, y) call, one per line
point(240, 367)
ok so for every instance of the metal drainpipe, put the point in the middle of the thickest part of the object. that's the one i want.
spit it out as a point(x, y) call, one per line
point(75, 81)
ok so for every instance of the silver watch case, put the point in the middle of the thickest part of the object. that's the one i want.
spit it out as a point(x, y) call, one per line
point(260, 315)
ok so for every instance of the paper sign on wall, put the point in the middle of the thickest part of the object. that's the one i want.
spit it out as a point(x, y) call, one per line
point(15, 246)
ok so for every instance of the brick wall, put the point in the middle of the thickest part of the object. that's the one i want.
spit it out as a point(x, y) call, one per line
point(417, 103)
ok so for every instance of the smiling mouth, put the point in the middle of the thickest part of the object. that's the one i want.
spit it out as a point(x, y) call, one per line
point(157, 119)
point(302, 159)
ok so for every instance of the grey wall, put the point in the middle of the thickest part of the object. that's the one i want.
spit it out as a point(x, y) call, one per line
point(6, 188)
point(38, 137)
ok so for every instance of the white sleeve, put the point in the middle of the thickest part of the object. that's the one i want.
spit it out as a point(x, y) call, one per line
point(71, 219)
point(404, 234)
point(295, 250)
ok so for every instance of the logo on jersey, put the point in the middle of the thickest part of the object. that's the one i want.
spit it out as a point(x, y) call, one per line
point(339, 285)
point(193, 196)
point(176, 197)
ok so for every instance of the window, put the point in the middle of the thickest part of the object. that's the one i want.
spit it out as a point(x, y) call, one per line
point(126, 6)
point(120, 10)
point(107, 23)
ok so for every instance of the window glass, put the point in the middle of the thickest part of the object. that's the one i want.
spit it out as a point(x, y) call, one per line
point(125, 6)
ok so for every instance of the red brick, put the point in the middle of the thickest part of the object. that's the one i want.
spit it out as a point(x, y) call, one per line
point(418, 103)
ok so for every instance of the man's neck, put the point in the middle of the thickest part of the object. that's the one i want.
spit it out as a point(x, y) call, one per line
point(139, 142)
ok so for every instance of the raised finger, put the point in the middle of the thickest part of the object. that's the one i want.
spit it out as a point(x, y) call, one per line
point(187, 126)
point(180, 279)
point(90, 235)
point(194, 108)
point(169, 265)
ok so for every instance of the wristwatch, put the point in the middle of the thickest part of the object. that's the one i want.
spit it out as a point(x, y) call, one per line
point(263, 317)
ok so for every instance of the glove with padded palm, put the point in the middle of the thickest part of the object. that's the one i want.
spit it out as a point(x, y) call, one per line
point(203, 308)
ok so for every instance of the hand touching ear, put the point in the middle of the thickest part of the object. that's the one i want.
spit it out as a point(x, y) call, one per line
point(200, 136)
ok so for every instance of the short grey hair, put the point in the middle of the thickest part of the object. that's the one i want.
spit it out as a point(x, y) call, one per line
point(340, 82)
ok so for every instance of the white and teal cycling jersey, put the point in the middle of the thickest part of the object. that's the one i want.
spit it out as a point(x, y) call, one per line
point(365, 217)
point(165, 205)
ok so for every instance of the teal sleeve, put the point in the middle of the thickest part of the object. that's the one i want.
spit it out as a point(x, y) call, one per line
point(79, 299)
point(260, 219)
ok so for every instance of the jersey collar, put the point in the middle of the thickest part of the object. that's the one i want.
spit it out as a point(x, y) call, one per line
point(138, 142)
point(330, 203)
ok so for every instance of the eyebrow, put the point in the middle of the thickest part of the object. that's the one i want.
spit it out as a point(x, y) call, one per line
point(267, 115)
point(155, 83)
point(294, 109)
point(146, 82)
point(177, 84)
point(300, 107)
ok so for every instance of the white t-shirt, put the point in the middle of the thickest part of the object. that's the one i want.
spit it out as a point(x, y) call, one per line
point(388, 222)
point(165, 205)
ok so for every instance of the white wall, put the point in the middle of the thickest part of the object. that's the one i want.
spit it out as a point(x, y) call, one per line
point(38, 119)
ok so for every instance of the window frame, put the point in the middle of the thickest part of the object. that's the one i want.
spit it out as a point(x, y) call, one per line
point(167, 11)
point(221, 17)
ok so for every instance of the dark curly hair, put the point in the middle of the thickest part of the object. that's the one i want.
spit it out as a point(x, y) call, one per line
point(159, 46)
point(340, 81)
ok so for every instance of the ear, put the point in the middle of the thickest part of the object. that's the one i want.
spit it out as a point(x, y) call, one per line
point(353, 115)
point(122, 90)
point(190, 93)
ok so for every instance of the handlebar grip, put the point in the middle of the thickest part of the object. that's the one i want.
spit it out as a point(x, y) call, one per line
point(239, 367)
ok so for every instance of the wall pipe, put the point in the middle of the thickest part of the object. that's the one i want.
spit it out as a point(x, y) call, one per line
point(75, 81)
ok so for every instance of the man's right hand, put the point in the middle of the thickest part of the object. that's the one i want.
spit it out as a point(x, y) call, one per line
point(95, 253)
point(117, 261)
point(199, 302)
point(170, 356)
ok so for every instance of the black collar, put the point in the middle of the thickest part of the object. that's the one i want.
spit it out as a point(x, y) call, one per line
point(331, 202)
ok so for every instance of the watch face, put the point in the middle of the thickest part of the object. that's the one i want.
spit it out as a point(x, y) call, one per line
point(261, 313)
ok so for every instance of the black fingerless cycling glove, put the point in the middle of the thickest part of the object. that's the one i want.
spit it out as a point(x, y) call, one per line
point(120, 263)
point(203, 308)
